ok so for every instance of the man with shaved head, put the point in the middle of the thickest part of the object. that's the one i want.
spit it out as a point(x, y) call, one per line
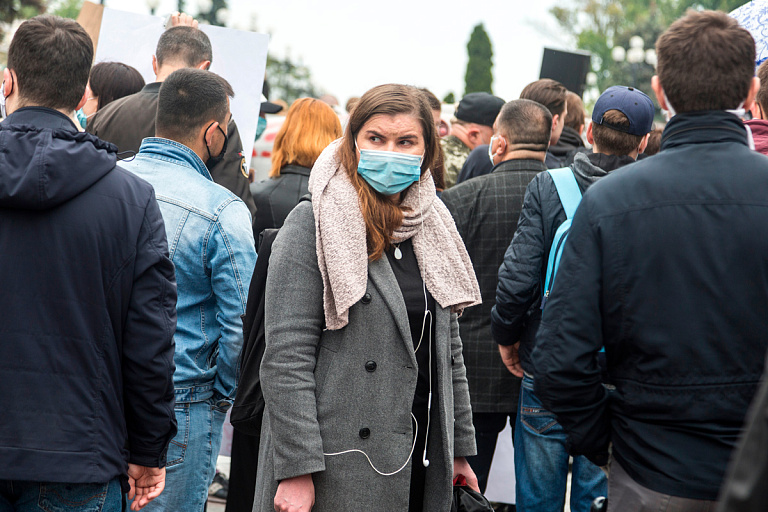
point(486, 210)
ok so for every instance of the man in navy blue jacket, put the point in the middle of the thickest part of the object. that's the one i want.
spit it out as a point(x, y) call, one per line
point(666, 267)
point(88, 295)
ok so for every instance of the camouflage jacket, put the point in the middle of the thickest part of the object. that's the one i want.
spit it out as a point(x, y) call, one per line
point(456, 153)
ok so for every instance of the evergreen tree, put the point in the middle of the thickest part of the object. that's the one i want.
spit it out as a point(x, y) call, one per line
point(450, 98)
point(479, 76)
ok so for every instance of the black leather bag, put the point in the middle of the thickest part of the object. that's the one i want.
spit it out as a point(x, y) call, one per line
point(466, 499)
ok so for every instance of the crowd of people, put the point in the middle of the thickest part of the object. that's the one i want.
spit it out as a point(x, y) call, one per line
point(595, 280)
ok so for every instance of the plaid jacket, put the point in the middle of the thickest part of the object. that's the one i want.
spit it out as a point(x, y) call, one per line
point(486, 210)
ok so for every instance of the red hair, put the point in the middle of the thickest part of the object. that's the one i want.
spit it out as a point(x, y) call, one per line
point(308, 129)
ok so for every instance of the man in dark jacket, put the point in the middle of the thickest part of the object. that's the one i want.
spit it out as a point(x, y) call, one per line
point(129, 120)
point(621, 119)
point(486, 210)
point(665, 266)
point(88, 295)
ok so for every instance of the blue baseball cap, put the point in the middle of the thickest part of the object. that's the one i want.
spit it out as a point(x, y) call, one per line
point(631, 102)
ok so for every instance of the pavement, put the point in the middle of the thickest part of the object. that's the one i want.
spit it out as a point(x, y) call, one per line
point(215, 507)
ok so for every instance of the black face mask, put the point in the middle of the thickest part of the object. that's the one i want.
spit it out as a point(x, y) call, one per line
point(213, 160)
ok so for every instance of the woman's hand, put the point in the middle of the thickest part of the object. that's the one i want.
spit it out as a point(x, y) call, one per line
point(461, 467)
point(297, 494)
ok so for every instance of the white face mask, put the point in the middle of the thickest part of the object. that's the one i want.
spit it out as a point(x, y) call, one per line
point(669, 113)
point(3, 113)
point(490, 150)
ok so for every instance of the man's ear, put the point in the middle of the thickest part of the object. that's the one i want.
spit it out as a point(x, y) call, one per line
point(590, 136)
point(82, 100)
point(581, 130)
point(643, 144)
point(555, 120)
point(205, 65)
point(155, 67)
point(9, 82)
point(209, 131)
point(658, 90)
point(754, 87)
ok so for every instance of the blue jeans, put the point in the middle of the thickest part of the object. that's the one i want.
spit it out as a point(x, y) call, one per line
point(541, 462)
point(191, 461)
point(18, 496)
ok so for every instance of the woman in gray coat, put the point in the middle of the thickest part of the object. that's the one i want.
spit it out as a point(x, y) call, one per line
point(367, 405)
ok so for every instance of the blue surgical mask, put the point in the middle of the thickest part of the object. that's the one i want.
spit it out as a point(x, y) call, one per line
point(490, 150)
point(81, 118)
point(260, 127)
point(389, 172)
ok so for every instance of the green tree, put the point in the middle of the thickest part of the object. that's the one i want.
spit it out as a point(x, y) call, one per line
point(600, 25)
point(11, 10)
point(289, 80)
point(65, 8)
point(479, 75)
point(450, 98)
point(212, 16)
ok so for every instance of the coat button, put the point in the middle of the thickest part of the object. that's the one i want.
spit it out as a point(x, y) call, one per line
point(370, 366)
point(365, 433)
point(366, 298)
point(453, 361)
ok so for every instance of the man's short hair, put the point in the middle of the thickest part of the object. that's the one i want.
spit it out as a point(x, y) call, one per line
point(614, 141)
point(184, 45)
point(574, 118)
point(706, 61)
point(550, 93)
point(52, 58)
point(188, 99)
point(525, 124)
point(762, 93)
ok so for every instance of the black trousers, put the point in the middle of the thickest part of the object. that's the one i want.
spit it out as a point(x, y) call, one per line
point(487, 428)
point(242, 474)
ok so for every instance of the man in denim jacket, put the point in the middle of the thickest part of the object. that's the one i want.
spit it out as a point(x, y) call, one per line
point(211, 244)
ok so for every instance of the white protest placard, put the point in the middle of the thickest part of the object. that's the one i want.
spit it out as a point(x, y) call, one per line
point(238, 56)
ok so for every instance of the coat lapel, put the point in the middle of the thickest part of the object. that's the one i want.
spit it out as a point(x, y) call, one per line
point(382, 276)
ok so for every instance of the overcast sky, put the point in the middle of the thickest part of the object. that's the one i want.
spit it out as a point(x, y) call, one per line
point(351, 46)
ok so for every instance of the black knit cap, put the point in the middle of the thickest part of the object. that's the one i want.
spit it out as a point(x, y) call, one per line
point(479, 107)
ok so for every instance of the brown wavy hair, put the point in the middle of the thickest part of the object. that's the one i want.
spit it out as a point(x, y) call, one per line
point(309, 127)
point(381, 216)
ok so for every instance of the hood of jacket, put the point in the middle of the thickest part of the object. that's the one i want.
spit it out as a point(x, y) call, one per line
point(590, 167)
point(45, 161)
point(569, 140)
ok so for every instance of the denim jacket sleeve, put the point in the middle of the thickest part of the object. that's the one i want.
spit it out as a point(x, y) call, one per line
point(147, 345)
point(231, 257)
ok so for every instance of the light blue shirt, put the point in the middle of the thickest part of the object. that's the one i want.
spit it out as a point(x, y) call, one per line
point(210, 240)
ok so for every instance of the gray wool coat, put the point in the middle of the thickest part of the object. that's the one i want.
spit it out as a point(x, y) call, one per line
point(351, 389)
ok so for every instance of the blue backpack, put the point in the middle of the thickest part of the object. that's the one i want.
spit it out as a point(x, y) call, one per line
point(570, 197)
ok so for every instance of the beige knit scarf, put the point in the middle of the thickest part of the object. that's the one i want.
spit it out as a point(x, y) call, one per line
point(342, 253)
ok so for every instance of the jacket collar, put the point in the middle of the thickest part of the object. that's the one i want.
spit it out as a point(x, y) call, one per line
point(295, 169)
point(153, 88)
point(520, 165)
point(703, 127)
point(41, 117)
point(172, 151)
